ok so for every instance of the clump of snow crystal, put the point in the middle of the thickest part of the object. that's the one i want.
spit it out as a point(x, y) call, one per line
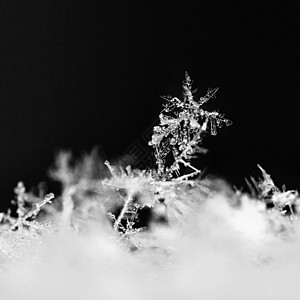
point(117, 233)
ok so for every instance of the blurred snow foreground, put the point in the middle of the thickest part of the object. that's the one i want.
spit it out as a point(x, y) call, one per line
point(118, 233)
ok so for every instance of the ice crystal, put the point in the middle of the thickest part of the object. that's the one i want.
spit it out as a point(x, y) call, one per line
point(179, 135)
point(27, 210)
point(127, 186)
point(181, 129)
point(285, 202)
point(22, 232)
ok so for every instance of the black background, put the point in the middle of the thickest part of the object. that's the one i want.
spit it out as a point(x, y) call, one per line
point(76, 74)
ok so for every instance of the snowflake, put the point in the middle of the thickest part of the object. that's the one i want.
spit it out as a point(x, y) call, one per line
point(181, 129)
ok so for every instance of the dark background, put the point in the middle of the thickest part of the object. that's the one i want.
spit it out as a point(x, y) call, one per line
point(76, 74)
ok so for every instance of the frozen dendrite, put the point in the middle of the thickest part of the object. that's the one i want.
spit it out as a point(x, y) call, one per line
point(28, 207)
point(180, 132)
point(285, 202)
point(127, 186)
point(22, 232)
point(127, 231)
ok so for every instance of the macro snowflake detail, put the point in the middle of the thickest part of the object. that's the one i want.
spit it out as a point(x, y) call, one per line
point(163, 233)
point(181, 129)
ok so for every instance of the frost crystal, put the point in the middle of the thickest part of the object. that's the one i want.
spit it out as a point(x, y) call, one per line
point(182, 125)
point(28, 208)
point(284, 202)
